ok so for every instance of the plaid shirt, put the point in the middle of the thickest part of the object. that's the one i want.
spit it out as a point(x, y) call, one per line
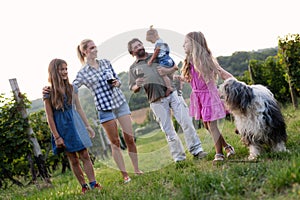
point(106, 97)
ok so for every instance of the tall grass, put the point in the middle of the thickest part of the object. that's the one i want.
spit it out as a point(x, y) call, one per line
point(272, 176)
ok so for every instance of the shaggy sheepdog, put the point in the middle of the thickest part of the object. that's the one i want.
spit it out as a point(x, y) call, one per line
point(257, 116)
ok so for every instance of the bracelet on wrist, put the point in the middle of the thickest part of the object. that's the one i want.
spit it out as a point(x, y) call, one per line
point(56, 138)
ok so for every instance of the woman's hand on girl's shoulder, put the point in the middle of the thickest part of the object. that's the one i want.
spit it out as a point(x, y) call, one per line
point(46, 90)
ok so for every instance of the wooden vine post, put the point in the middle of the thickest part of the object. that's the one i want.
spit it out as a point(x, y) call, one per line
point(36, 147)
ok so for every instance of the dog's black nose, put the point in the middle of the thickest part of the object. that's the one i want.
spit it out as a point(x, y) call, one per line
point(236, 131)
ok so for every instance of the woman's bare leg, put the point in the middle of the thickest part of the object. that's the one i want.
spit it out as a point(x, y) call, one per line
point(126, 125)
point(111, 130)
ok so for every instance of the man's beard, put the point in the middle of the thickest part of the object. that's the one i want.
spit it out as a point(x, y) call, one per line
point(141, 53)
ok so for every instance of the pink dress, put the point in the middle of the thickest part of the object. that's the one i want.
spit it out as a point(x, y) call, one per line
point(205, 102)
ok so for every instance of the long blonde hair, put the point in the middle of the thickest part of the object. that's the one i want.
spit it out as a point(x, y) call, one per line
point(59, 86)
point(201, 57)
point(82, 47)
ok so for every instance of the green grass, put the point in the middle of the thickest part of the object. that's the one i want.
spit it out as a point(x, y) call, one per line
point(273, 176)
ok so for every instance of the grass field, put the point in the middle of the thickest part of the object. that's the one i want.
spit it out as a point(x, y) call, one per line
point(272, 176)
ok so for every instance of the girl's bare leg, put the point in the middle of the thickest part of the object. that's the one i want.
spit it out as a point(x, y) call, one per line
point(217, 136)
point(76, 168)
point(87, 164)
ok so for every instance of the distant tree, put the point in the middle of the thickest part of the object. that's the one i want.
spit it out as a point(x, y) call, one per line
point(289, 54)
point(256, 68)
point(138, 100)
point(238, 62)
point(270, 74)
point(275, 79)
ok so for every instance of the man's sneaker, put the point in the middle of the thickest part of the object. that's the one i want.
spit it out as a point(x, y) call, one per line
point(85, 188)
point(200, 155)
point(127, 179)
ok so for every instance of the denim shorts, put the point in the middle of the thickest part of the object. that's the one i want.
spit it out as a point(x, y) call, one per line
point(108, 115)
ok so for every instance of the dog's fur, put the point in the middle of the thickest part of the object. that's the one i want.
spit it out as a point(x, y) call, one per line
point(257, 116)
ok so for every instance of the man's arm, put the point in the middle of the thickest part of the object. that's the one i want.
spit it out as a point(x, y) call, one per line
point(135, 88)
point(134, 83)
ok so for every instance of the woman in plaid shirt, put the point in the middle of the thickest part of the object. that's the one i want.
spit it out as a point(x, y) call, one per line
point(99, 76)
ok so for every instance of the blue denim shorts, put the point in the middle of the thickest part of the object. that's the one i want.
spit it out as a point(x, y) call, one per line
point(107, 115)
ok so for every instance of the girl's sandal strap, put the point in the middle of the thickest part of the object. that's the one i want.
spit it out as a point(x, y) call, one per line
point(219, 157)
point(229, 150)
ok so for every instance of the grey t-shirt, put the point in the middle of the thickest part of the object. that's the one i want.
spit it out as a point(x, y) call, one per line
point(154, 85)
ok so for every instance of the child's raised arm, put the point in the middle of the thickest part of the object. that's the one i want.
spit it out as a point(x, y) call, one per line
point(154, 55)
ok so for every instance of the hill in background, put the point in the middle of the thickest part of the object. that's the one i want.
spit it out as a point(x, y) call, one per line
point(236, 64)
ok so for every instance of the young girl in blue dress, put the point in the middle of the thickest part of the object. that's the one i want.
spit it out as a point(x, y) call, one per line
point(68, 123)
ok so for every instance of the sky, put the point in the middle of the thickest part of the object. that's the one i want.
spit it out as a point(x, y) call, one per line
point(33, 32)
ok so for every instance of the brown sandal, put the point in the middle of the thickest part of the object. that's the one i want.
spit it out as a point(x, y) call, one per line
point(218, 157)
point(229, 150)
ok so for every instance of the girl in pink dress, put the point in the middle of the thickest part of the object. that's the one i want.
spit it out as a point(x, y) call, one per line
point(200, 70)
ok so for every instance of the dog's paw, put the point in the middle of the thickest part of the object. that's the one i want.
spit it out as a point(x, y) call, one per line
point(252, 157)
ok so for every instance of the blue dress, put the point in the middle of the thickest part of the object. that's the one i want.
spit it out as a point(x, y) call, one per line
point(70, 127)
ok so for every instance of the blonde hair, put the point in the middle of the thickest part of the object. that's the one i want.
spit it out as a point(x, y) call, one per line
point(59, 86)
point(151, 33)
point(82, 47)
point(201, 57)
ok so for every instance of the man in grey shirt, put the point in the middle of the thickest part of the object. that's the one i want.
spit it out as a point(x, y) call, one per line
point(161, 105)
